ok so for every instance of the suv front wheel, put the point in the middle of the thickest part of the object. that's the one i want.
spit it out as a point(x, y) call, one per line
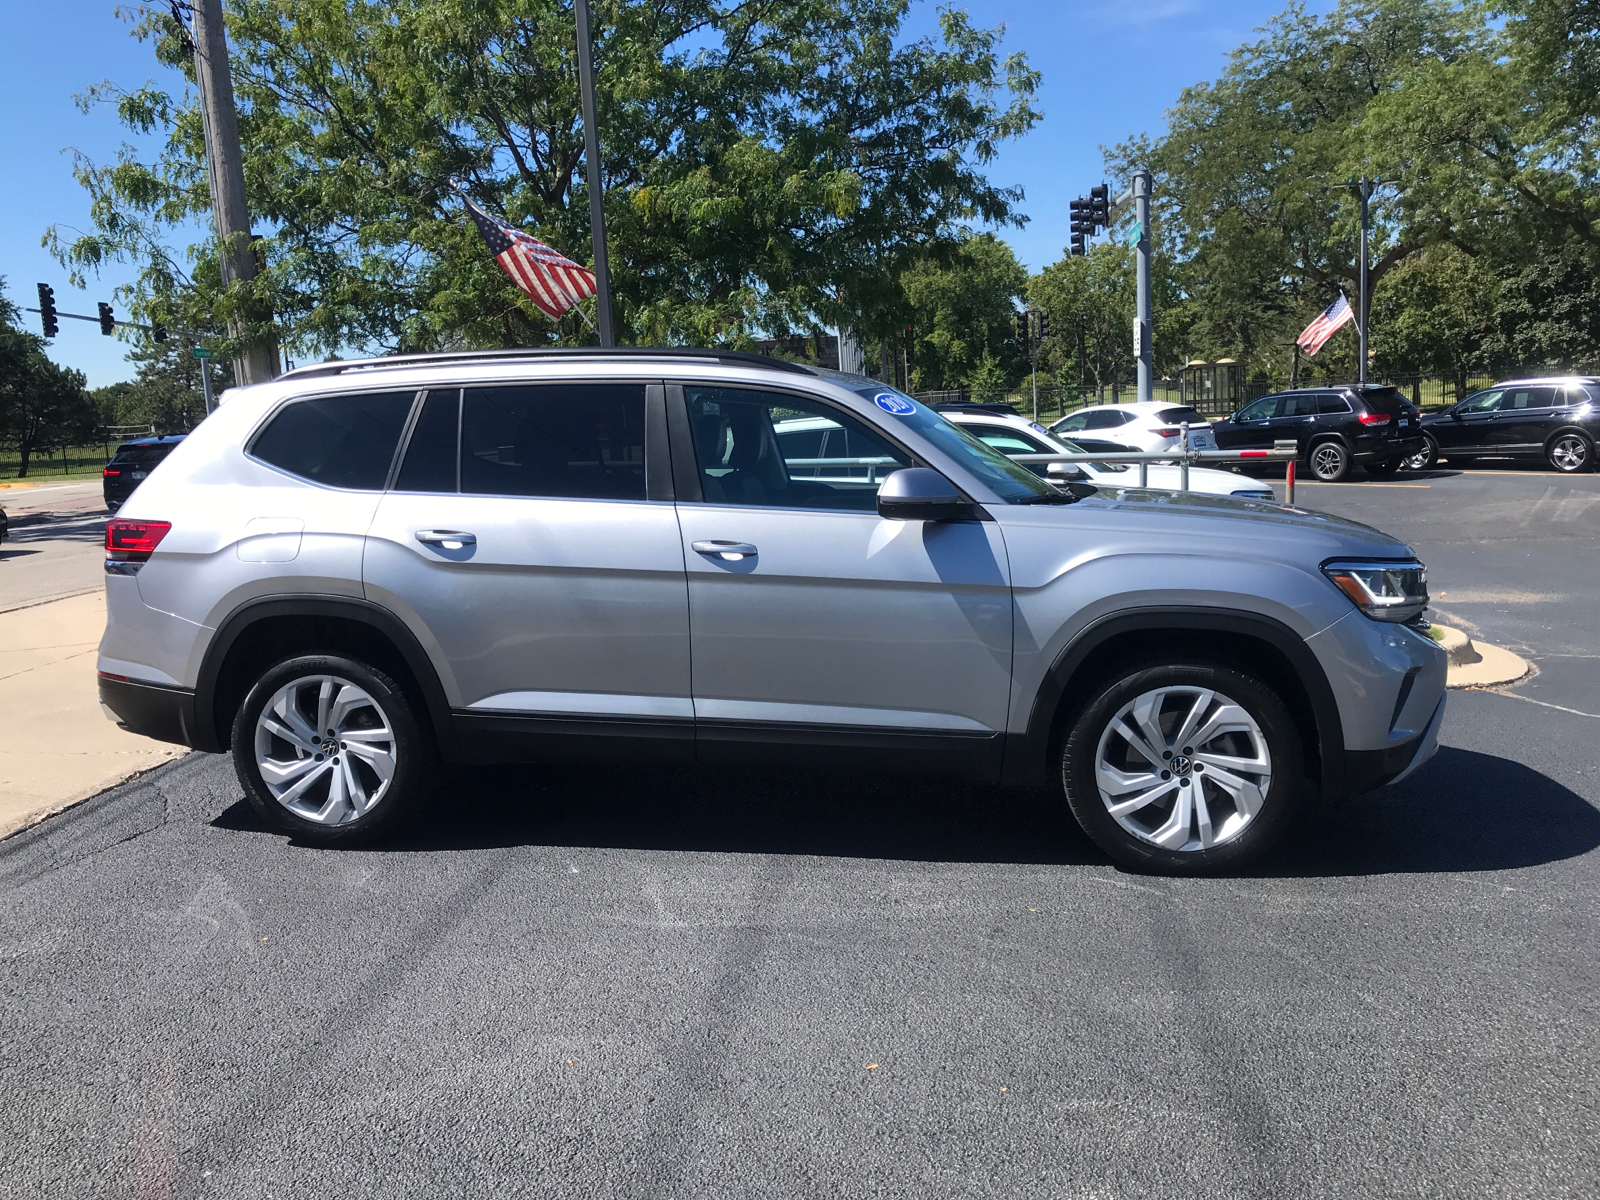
point(329, 749)
point(1184, 768)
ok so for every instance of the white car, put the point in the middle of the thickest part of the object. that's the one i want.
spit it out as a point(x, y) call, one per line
point(1018, 435)
point(1148, 425)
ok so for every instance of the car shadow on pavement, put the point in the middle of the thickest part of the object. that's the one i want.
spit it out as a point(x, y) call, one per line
point(1463, 812)
point(740, 810)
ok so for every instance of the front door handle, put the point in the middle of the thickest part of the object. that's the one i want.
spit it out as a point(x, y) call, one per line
point(446, 539)
point(730, 551)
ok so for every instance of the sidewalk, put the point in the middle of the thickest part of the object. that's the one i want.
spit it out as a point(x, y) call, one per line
point(59, 748)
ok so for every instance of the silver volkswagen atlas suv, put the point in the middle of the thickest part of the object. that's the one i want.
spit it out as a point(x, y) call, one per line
point(362, 570)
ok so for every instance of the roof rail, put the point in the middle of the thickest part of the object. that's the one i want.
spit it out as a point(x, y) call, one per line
point(395, 362)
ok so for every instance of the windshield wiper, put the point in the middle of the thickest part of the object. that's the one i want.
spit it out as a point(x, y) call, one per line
point(1057, 498)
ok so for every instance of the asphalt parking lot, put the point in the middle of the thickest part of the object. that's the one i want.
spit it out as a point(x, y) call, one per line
point(583, 982)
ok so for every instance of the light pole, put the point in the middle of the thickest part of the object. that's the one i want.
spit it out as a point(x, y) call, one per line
point(591, 155)
point(1142, 339)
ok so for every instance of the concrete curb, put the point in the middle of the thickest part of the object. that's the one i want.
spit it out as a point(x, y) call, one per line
point(1477, 664)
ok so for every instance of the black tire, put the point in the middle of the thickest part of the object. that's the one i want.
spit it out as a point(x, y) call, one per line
point(1383, 468)
point(1424, 458)
point(1090, 724)
point(1569, 452)
point(413, 754)
point(1328, 461)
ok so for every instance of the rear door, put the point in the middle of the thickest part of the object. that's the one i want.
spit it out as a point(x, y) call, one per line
point(530, 543)
point(813, 619)
point(1524, 415)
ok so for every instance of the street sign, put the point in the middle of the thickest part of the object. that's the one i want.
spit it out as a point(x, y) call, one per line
point(201, 352)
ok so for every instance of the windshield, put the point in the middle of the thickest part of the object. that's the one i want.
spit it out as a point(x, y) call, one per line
point(1010, 481)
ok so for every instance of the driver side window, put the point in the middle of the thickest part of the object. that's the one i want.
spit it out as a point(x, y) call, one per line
point(1482, 402)
point(772, 450)
point(1259, 410)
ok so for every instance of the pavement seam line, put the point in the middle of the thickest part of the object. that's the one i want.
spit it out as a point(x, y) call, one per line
point(1577, 712)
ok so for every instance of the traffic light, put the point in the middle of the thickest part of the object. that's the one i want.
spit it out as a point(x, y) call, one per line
point(1044, 326)
point(1100, 207)
point(1022, 333)
point(47, 310)
point(107, 322)
point(1082, 225)
point(158, 334)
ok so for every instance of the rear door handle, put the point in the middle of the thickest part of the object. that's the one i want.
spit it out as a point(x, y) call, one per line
point(731, 551)
point(446, 539)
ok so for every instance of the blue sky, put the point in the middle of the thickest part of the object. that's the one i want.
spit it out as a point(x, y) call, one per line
point(1110, 69)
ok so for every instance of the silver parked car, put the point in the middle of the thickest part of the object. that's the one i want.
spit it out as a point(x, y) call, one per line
point(362, 569)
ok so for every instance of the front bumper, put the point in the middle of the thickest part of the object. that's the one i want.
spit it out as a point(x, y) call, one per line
point(1357, 771)
point(163, 713)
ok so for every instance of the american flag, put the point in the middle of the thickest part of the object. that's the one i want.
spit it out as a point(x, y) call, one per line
point(553, 281)
point(1320, 330)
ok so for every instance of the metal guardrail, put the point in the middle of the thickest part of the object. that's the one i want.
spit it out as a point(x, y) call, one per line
point(1282, 451)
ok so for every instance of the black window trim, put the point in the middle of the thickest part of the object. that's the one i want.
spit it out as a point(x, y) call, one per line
point(304, 397)
point(686, 465)
point(657, 479)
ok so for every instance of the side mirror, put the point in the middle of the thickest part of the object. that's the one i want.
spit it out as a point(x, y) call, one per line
point(920, 494)
point(1066, 473)
point(1455, 414)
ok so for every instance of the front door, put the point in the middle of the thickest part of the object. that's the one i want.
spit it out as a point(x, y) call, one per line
point(521, 544)
point(1470, 425)
point(813, 619)
point(1251, 427)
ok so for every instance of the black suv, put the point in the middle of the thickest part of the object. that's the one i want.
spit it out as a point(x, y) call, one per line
point(130, 464)
point(1557, 420)
point(1333, 428)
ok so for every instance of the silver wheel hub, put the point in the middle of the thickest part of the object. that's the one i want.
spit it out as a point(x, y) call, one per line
point(325, 749)
point(1326, 460)
point(1569, 453)
point(1185, 768)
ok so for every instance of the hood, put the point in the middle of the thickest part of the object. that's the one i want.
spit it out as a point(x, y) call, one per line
point(1219, 524)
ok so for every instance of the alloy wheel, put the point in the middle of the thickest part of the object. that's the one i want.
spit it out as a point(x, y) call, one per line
point(1422, 459)
point(1185, 768)
point(1327, 461)
point(1569, 452)
point(325, 749)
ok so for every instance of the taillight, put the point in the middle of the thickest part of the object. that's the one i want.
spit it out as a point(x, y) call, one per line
point(133, 541)
point(1372, 418)
point(1163, 432)
point(108, 473)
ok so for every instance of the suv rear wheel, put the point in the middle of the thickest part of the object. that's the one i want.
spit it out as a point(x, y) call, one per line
point(329, 749)
point(1184, 768)
point(1569, 452)
point(1424, 458)
point(1329, 462)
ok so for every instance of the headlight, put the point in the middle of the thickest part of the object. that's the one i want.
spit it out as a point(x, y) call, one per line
point(1253, 495)
point(1384, 591)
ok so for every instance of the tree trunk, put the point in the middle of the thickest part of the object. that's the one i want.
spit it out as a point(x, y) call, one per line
point(26, 450)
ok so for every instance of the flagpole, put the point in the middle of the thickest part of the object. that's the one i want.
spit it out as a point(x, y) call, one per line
point(591, 155)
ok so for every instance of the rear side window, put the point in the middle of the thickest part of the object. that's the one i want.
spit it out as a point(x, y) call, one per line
point(1300, 406)
point(559, 440)
point(340, 441)
point(1177, 416)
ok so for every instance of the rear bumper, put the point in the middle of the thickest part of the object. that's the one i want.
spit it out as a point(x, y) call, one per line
point(163, 713)
point(1388, 448)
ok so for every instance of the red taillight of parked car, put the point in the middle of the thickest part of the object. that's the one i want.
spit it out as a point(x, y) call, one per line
point(1372, 418)
point(1165, 432)
point(133, 541)
point(108, 473)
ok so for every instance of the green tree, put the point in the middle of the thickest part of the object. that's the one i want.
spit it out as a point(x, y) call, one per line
point(1097, 294)
point(1249, 173)
point(42, 405)
point(962, 312)
point(768, 167)
point(1436, 314)
point(165, 393)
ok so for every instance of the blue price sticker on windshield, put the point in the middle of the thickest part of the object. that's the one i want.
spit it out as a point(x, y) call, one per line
point(898, 405)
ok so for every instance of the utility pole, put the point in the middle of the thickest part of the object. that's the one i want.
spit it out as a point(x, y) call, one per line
point(1142, 324)
point(1364, 188)
point(225, 161)
point(591, 156)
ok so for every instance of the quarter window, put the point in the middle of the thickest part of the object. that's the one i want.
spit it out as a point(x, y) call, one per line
point(1328, 406)
point(563, 440)
point(430, 461)
point(341, 441)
